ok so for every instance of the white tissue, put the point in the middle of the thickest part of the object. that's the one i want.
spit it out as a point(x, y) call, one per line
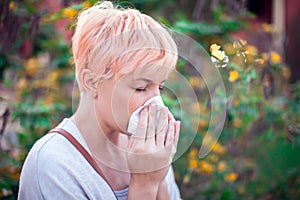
point(133, 121)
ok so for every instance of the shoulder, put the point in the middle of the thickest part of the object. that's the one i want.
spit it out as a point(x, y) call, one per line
point(30, 174)
point(51, 148)
point(55, 167)
point(54, 153)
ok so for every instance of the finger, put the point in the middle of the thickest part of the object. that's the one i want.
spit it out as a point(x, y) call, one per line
point(150, 134)
point(170, 134)
point(141, 129)
point(162, 127)
point(130, 142)
point(176, 137)
point(170, 116)
point(135, 141)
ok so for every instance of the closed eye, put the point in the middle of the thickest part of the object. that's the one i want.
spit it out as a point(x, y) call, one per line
point(140, 89)
point(161, 88)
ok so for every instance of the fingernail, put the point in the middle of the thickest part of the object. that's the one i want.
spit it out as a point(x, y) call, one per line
point(152, 104)
point(165, 109)
point(145, 109)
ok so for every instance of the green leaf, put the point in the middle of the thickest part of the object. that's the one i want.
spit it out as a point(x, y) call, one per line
point(77, 6)
point(93, 1)
point(229, 25)
point(43, 123)
point(198, 28)
point(251, 75)
point(164, 21)
point(56, 16)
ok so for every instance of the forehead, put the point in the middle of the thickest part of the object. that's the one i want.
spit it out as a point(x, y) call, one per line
point(155, 73)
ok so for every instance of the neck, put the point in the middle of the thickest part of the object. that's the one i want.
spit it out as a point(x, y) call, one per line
point(106, 145)
point(90, 125)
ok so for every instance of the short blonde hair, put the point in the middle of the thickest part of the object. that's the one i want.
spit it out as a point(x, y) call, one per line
point(113, 41)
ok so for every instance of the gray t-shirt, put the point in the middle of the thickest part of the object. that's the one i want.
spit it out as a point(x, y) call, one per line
point(55, 169)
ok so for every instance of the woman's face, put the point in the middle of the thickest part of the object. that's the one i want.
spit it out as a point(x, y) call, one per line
point(118, 99)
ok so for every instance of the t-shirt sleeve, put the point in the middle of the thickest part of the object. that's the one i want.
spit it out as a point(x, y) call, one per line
point(173, 190)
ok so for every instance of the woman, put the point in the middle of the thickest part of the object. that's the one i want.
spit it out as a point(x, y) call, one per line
point(122, 59)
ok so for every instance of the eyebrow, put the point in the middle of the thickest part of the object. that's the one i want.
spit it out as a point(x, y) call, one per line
point(148, 80)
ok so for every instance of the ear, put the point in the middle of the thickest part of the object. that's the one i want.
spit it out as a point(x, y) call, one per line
point(87, 83)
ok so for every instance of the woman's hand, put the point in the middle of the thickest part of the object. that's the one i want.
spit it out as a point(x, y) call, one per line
point(151, 150)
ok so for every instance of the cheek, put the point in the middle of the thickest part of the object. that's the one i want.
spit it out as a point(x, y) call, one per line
point(136, 100)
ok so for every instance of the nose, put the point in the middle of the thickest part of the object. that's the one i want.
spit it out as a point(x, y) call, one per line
point(155, 91)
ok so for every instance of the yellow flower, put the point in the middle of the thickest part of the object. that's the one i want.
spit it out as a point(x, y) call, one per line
point(193, 153)
point(252, 50)
point(31, 67)
point(214, 47)
point(196, 81)
point(209, 140)
point(12, 6)
point(275, 58)
point(52, 78)
point(213, 158)
point(69, 12)
point(54, 75)
point(205, 167)
point(87, 4)
point(203, 123)
point(187, 178)
point(233, 75)
point(215, 51)
point(218, 148)
point(229, 49)
point(193, 163)
point(231, 177)
point(22, 84)
point(222, 166)
point(237, 123)
point(260, 62)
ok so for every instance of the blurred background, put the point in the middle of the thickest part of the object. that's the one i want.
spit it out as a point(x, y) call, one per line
point(257, 154)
